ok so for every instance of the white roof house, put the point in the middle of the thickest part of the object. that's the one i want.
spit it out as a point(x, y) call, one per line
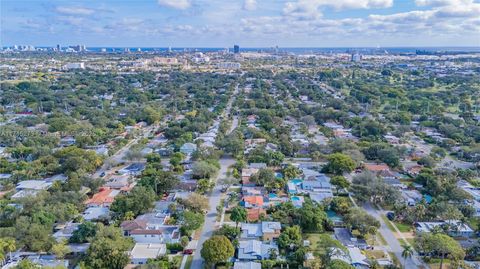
point(254, 230)
point(455, 228)
point(142, 252)
point(33, 185)
point(247, 265)
point(25, 193)
point(95, 213)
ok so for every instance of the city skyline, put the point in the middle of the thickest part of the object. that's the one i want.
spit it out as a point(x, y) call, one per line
point(249, 23)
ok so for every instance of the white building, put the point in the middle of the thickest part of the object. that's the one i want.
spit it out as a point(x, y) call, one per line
point(228, 65)
point(142, 252)
point(70, 66)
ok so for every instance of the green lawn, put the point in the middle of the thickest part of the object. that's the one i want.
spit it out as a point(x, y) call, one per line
point(313, 238)
point(188, 264)
point(177, 260)
point(402, 227)
point(235, 189)
point(389, 224)
point(381, 239)
point(435, 264)
point(473, 222)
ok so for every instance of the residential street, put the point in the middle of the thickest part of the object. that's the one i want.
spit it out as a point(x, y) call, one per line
point(120, 154)
point(215, 196)
point(391, 240)
point(210, 218)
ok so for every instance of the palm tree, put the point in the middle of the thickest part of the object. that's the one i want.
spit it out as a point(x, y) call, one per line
point(8, 245)
point(406, 253)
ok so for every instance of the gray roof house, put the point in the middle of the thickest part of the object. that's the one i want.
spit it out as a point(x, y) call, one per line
point(188, 148)
point(255, 250)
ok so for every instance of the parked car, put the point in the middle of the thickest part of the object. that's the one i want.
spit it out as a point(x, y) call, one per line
point(188, 251)
point(390, 216)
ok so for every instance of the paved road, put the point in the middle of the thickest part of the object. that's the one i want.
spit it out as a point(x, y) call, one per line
point(216, 194)
point(210, 218)
point(119, 156)
point(392, 241)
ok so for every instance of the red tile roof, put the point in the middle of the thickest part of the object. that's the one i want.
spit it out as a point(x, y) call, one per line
point(254, 200)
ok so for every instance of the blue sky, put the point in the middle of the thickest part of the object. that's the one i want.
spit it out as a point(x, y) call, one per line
point(249, 23)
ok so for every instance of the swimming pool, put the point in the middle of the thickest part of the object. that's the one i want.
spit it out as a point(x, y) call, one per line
point(296, 181)
point(295, 198)
point(334, 216)
point(272, 195)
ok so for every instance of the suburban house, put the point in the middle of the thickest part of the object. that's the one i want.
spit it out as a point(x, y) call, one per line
point(247, 173)
point(122, 183)
point(255, 201)
point(454, 228)
point(151, 228)
point(247, 191)
point(188, 148)
point(255, 250)
point(65, 231)
point(257, 165)
point(96, 213)
point(141, 252)
point(104, 197)
point(28, 188)
point(411, 197)
point(134, 169)
point(247, 265)
point(352, 256)
point(266, 230)
point(472, 190)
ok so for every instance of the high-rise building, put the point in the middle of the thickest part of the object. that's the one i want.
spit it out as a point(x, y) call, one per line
point(236, 49)
point(78, 48)
point(58, 48)
point(356, 57)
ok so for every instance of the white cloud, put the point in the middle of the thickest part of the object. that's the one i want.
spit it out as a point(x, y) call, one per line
point(75, 10)
point(310, 9)
point(437, 3)
point(176, 4)
point(250, 5)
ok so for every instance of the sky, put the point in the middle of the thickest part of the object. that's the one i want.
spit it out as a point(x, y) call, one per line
point(248, 23)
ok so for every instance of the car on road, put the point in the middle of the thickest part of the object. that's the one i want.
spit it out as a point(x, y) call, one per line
point(102, 174)
point(390, 216)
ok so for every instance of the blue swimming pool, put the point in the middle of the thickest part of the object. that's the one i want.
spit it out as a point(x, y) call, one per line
point(272, 195)
point(334, 216)
point(296, 181)
point(295, 198)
